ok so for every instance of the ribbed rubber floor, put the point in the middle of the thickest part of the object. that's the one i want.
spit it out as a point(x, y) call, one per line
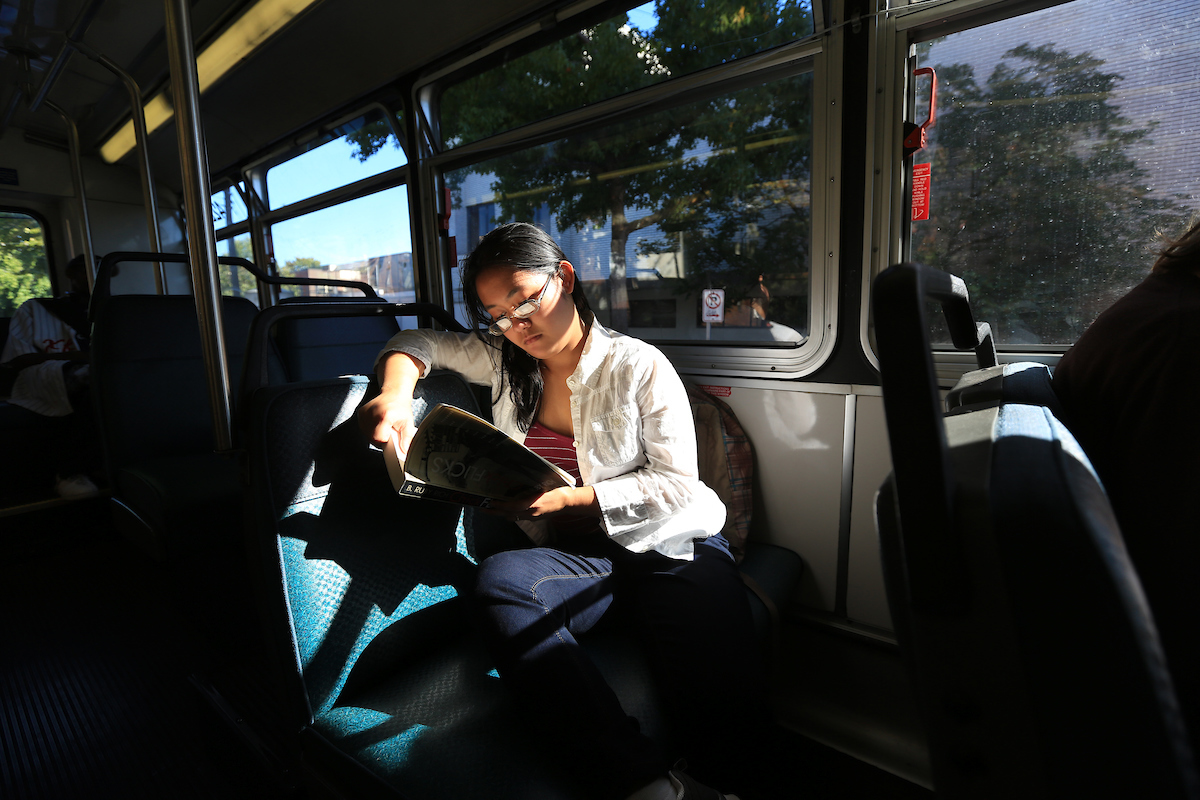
point(95, 699)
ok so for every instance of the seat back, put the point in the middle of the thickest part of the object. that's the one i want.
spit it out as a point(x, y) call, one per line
point(1025, 382)
point(1034, 658)
point(148, 374)
point(314, 347)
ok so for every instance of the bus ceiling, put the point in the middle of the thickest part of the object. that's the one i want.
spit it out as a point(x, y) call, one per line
point(40, 59)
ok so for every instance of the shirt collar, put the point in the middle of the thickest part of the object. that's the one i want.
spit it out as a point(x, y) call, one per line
point(595, 350)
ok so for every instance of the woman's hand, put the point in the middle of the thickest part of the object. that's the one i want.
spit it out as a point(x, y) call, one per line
point(577, 501)
point(392, 409)
point(378, 417)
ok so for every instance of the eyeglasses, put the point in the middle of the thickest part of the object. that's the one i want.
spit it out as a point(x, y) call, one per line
point(526, 309)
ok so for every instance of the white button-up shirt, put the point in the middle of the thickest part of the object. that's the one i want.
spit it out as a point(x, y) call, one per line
point(634, 435)
point(40, 388)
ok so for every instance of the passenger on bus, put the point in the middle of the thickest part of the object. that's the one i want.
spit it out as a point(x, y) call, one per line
point(47, 422)
point(1129, 389)
point(638, 536)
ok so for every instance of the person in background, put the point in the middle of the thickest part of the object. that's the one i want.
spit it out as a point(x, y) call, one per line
point(1129, 389)
point(46, 422)
point(637, 538)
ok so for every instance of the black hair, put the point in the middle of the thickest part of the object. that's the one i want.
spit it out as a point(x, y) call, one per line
point(522, 248)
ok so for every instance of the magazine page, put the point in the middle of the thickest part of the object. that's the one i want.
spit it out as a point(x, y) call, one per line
point(457, 457)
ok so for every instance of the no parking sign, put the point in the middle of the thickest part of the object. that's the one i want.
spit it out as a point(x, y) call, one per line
point(712, 305)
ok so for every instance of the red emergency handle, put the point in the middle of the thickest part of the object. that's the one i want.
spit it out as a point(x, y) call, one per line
point(915, 137)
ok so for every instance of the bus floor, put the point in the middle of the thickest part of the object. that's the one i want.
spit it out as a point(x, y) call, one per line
point(98, 696)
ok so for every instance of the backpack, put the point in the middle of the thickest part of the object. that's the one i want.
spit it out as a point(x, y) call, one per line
point(726, 460)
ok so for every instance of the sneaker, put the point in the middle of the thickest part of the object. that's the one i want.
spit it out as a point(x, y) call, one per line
point(688, 788)
point(75, 487)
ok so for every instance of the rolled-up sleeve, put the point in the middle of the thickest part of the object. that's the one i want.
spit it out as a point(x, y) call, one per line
point(462, 352)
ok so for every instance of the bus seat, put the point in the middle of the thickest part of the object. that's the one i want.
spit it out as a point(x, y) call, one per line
point(321, 347)
point(151, 398)
point(1026, 382)
point(1032, 651)
point(386, 678)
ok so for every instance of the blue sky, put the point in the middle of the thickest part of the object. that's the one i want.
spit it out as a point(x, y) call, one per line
point(374, 225)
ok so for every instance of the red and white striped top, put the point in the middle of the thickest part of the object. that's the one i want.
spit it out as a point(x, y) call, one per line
point(559, 450)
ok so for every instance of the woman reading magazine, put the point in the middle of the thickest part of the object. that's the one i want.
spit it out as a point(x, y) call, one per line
point(637, 536)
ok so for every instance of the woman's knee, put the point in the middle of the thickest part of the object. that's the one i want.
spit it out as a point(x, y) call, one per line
point(506, 577)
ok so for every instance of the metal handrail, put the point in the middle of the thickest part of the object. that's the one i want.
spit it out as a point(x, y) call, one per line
point(104, 273)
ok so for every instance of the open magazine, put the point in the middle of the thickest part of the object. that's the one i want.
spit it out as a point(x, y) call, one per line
point(457, 457)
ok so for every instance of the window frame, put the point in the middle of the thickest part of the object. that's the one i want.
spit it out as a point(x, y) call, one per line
point(254, 177)
point(892, 87)
point(813, 54)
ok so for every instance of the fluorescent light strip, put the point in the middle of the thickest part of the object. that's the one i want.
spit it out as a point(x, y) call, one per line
point(260, 22)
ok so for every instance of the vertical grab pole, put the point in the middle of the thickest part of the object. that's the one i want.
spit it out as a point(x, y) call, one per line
point(202, 240)
point(80, 192)
point(139, 133)
point(138, 115)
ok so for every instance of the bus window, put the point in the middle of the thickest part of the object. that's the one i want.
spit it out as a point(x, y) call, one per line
point(1065, 140)
point(24, 268)
point(364, 239)
point(629, 51)
point(234, 280)
point(350, 152)
point(654, 211)
point(703, 194)
point(228, 208)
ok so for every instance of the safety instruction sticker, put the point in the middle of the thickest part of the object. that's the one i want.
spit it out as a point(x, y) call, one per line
point(920, 197)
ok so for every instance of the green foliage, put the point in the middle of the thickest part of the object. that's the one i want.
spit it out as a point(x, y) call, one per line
point(1037, 201)
point(371, 137)
point(24, 272)
point(234, 280)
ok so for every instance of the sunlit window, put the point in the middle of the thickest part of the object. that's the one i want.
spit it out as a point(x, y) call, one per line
point(24, 268)
point(228, 207)
point(1065, 141)
point(652, 212)
point(648, 44)
point(354, 151)
point(366, 239)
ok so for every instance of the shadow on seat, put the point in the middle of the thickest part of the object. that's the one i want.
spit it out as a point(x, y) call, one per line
point(1023, 625)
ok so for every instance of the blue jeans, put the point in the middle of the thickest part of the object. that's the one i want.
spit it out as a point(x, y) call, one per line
point(693, 622)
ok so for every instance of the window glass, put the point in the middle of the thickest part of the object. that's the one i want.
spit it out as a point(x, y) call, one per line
point(351, 152)
point(228, 208)
point(235, 280)
point(647, 45)
point(24, 268)
point(366, 239)
point(712, 194)
point(1065, 140)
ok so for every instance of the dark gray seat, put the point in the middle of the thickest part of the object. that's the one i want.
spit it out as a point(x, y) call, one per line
point(313, 347)
point(151, 398)
point(1026, 382)
point(1035, 660)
